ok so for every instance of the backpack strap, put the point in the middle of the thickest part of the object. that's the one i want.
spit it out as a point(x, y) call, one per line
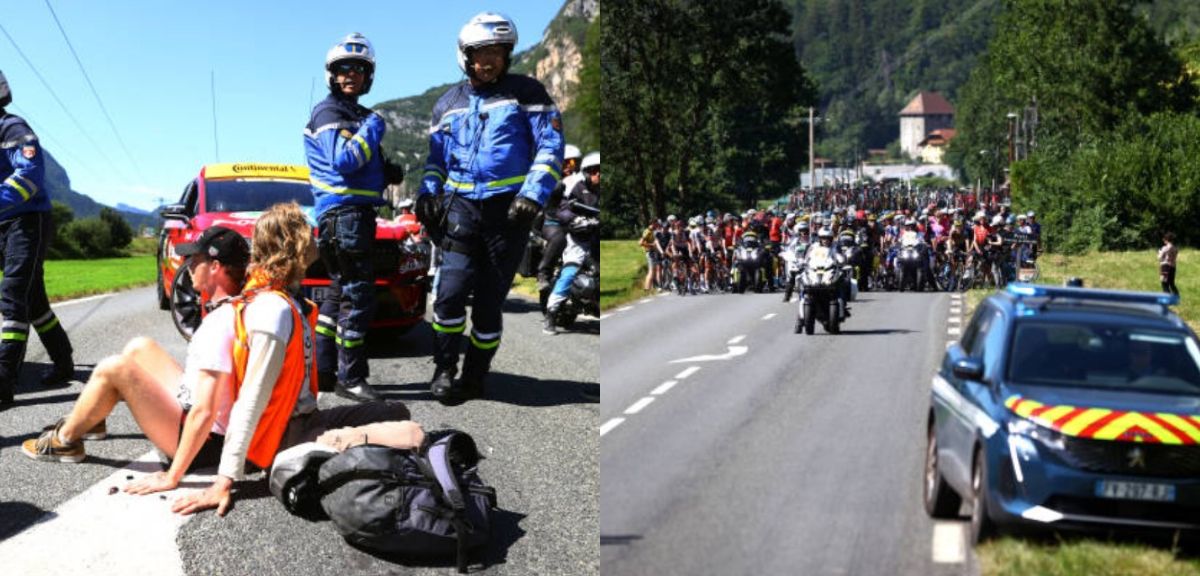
point(436, 464)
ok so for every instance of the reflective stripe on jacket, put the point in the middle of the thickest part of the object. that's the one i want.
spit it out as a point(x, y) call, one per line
point(22, 169)
point(502, 138)
point(345, 161)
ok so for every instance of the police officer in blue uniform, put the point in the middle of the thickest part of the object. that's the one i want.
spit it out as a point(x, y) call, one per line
point(495, 154)
point(348, 174)
point(25, 231)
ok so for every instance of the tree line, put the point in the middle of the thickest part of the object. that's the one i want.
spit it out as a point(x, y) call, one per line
point(704, 106)
point(1104, 126)
point(103, 236)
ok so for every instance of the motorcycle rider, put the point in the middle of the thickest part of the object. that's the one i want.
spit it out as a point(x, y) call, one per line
point(25, 232)
point(824, 248)
point(556, 238)
point(580, 211)
point(495, 155)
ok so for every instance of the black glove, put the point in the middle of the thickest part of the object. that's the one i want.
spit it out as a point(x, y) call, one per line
point(393, 173)
point(522, 212)
point(429, 211)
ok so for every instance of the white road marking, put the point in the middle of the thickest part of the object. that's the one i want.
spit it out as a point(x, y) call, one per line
point(954, 331)
point(954, 320)
point(607, 426)
point(66, 539)
point(736, 339)
point(769, 316)
point(603, 316)
point(624, 308)
point(948, 546)
point(734, 352)
point(646, 300)
point(662, 388)
point(81, 300)
point(956, 310)
point(687, 372)
point(637, 406)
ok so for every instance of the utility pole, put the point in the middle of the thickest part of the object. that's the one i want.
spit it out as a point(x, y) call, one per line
point(812, 180)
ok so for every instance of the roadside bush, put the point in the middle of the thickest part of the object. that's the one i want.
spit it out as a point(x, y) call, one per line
point(92, 238)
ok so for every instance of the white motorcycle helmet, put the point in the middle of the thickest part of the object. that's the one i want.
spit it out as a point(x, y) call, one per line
point(353, 47)
point(592, 160)
point(486, 29)
point(5, 93)
point(571, 151)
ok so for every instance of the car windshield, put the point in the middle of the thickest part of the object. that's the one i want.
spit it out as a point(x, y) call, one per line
point(1102, 356)
point(254, 195)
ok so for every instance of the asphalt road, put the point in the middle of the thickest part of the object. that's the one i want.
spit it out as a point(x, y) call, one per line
point(771, 452)
point(537, 428)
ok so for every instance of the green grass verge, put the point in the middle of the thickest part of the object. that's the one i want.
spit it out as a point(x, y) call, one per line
point(66, 279)
point(622, 270)
point(1136, 270)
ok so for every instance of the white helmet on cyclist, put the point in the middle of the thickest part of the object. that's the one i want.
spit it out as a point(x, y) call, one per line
point(353, 47)
point(997, 220)
point(486, 29)
point(592, 160)
point(5, 92)
point(825, 234)
point(571, 151)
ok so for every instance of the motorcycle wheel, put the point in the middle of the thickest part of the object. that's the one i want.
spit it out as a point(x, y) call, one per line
point(834, 325)
point(810, 320)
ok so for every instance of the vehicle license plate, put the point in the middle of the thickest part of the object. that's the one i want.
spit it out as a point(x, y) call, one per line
point(1135, 491)
point(317, 293)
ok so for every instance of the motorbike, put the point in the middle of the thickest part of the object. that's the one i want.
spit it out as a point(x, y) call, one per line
point(911, 264)
point(584, 297)
point(853, 255)
point(793, 258)
point(751, 266)
point(821, 280)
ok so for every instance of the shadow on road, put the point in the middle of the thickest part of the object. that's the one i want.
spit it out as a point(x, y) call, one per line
point(17, 516)
point(520, 306)
point(879, 331)
point(508, 388)
point(619, 539)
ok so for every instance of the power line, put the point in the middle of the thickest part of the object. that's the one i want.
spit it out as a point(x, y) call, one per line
point(44, 134)
point(137, 170)
point(66, 110)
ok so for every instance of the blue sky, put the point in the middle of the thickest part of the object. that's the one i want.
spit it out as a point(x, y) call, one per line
point(150, 63)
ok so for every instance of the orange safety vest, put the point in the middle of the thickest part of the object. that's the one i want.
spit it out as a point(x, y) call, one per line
point(274, 420)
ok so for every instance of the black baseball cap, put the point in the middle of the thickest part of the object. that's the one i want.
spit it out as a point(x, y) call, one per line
point(220, 244)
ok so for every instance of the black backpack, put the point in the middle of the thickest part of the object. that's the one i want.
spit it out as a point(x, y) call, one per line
point(427, 503)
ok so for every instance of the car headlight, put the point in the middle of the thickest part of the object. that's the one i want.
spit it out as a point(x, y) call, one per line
point(1028, 430)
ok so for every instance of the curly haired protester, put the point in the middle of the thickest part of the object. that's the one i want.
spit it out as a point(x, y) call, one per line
point(256, 387)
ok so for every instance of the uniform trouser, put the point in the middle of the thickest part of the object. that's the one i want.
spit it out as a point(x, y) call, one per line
point(345, 240)
point(23, 300)
point(556, 241)
point(481, 252)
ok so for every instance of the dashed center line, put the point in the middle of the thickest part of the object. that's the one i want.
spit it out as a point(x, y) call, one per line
point(954, 331)
point(956, 310)
point(662, 388)
point(954, 320)
point(769, 316)
point(687, 372)
point(736, 339)
point(637, 406)
point(607, 426)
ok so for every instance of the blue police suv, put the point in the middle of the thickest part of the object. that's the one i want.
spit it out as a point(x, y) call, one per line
point(1068, 408)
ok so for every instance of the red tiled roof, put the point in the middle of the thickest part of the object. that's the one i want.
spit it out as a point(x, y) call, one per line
point(927, 103)
point(939, 136)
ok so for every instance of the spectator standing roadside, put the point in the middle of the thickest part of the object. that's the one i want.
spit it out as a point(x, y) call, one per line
point(1166, 263)
point(25, 230)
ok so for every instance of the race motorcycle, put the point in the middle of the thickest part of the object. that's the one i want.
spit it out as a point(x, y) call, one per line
point(793, 258)
point(821, 281)
point(584, 297)
point(751, 266)
point(911, 263)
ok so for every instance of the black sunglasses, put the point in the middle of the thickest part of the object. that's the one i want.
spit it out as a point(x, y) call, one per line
point(348, 67)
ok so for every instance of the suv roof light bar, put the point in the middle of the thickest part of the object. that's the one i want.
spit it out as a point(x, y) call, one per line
point(1024, 290)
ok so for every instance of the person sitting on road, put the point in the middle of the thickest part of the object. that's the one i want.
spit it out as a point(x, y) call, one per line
point(249, 347)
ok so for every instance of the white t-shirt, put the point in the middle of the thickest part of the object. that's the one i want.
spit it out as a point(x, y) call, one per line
point(270, 313)
point(211, 349)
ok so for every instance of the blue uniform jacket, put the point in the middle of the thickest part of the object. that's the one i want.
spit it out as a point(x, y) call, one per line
point(22, 170)
point(501, 138)
point(345, 161)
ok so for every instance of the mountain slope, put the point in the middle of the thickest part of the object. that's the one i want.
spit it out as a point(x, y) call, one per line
point(58, 184)
point(555, 61)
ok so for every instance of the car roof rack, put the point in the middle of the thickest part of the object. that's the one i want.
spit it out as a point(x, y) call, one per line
point(1020, 290)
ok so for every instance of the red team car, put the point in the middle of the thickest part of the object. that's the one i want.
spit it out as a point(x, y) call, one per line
point(234, 195)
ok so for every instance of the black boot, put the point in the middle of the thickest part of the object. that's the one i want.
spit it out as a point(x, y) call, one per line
point(357, 390)
point(444, 389)
point(548, 322)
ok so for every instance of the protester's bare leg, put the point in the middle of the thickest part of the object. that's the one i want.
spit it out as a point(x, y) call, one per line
point(147, 379)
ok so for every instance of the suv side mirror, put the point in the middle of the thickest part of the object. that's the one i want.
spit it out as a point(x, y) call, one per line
point(968, 369)
point(175, 212)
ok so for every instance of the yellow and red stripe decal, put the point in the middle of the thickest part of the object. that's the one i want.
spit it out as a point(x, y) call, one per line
point(1106, 424)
